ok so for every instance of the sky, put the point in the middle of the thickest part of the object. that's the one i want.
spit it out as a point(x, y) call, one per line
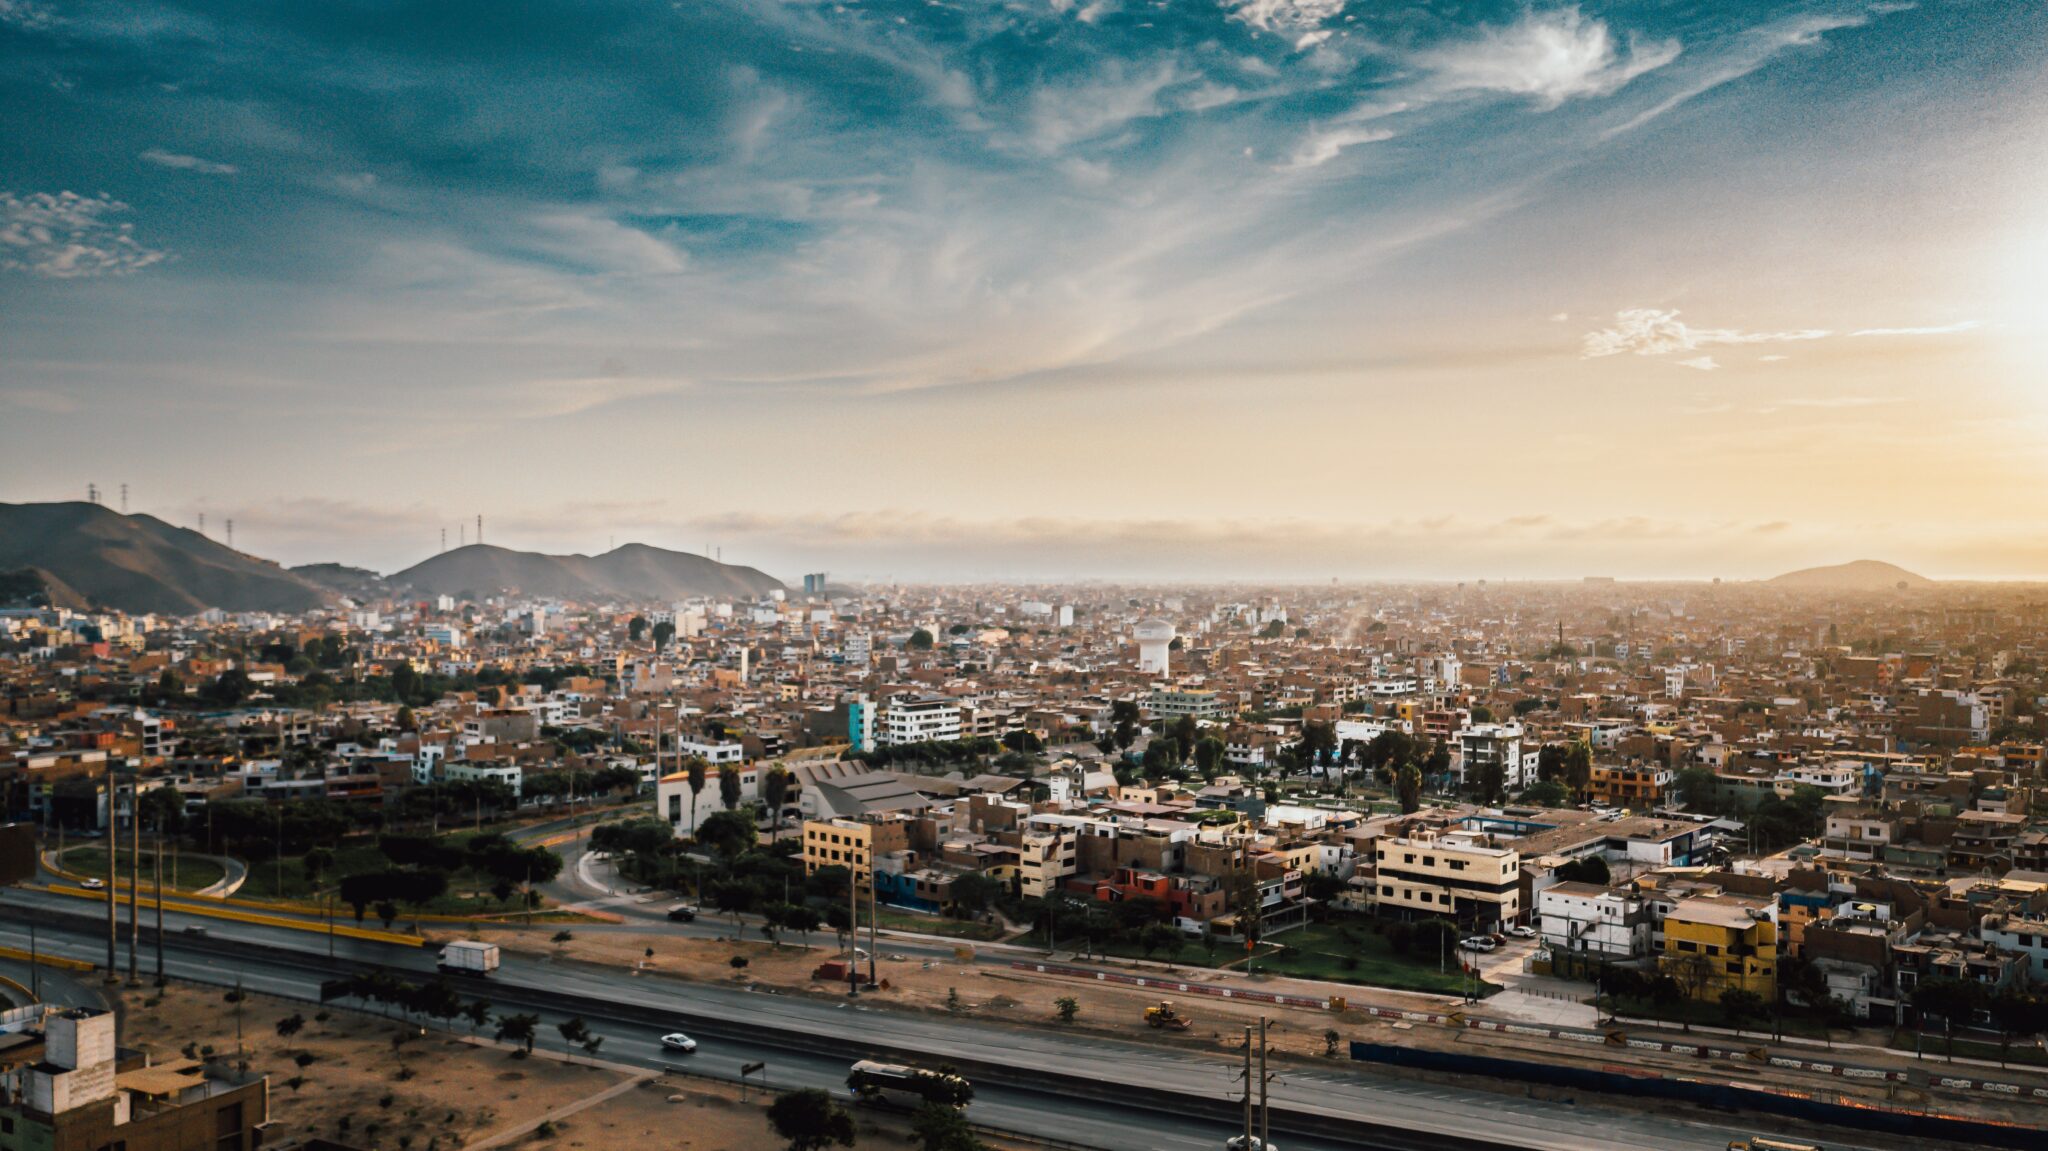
point(1041, 289)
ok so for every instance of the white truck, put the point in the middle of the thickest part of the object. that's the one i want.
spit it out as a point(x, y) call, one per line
point(469, 957)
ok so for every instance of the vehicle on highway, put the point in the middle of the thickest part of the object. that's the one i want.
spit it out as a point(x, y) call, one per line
point(1766, 1143)
point(677, 1041)
point(682, 913)
point(92, 884)
point(896, 1085)
point(469, 957)
point(1522, 931)
point(1249, 1143)
point(1478, 943)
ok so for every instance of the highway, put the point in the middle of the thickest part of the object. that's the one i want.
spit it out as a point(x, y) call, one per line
point(809, 1042)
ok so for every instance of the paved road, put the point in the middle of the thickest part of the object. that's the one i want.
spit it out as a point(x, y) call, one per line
point(724, 1013)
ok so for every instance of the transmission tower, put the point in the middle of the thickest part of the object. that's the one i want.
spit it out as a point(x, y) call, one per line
point(479, 528)
point(92, 493)
point(444, 539)
point(202, 523)
point(124, 499)
point(231, 535)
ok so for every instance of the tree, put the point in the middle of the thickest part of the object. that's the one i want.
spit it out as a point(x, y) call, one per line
point(1548, 793)
point(974, 891)
point(1950, 1000)
point(574, 1033)
point(1185, 733)
point(290, 1026)
point(1318, 741)
point(939, 1128)
point(1209, 755)
point(808, 1120)
point(1154, 937)
point(920, 640)
point(1409, 786)
point(1066, 1008)
point(1578, 767)
point(1158, 761)
point(774, 793)
point(520, 1029)
point(1489, 780)
point(695, 767)
point(636, 628)
point(729, 786)
point(728, 832)
point(663, 632)
point(1739, 1005)
point(1698, 788)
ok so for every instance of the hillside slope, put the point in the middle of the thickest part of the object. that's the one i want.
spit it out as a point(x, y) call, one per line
point(632, 572)
point(1857, 575)
point(139, 563)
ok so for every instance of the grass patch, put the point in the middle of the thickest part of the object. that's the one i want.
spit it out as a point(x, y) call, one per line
point(284, 880)
point(193, 872)
point(1352, 952)
point(2021, 1052)
point(898, 920)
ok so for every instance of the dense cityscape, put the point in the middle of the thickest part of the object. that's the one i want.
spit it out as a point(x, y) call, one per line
point(1800, 816)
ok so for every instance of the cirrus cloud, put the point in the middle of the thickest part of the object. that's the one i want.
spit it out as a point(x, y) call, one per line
point(63, 236)
point(1550, 57)
point(1651, 332)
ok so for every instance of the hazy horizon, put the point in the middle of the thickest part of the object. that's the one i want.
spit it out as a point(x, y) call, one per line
point(1270, 290)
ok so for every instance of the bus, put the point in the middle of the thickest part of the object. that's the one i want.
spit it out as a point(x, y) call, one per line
point(1765, 1143)
point(895, 1085)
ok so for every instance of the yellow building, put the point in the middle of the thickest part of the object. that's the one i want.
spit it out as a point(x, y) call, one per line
point(852, 844)
point(1714, 944)
point(1456, 877)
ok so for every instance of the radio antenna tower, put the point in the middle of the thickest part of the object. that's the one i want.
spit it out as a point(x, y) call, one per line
point(124, 499)
point(231, 534)
point(479, 528)
point(444, 539)
point(92, 493)
point(202, 523)
point(461, 534)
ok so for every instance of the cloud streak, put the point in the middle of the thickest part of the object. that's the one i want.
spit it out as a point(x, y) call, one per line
point(66, 236)
point(184, 163)
point(1652, 332)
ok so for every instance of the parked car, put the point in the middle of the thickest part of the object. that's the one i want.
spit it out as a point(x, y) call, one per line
point(677, 1041)
point(1478, 943)
point(682, 914)
point(1249, 1143)
point(92, 884)
point(1522, 931)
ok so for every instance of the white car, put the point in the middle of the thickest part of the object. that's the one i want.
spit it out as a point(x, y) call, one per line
point(677, 1041)
point(1477, 943)
point(1249, 1143)
point(92, 884)
point(1522, 931)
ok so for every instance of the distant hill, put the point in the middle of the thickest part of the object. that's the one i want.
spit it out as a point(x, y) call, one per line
point(1857, 575)
point(141, 564)
point(632, 572)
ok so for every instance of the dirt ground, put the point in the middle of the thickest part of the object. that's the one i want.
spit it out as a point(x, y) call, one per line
point(441, 1092)
point(999, 993)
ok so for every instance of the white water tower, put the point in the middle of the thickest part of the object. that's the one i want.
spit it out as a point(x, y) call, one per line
point(1155, 646)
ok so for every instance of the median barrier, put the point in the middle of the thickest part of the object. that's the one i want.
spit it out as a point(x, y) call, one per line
point(235, 915)
point(1647, 1083)
point(45, 959)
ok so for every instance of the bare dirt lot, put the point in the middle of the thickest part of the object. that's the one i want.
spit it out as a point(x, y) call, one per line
point(440, 1092)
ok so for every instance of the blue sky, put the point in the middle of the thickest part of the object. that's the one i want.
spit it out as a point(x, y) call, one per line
point(1273, 287)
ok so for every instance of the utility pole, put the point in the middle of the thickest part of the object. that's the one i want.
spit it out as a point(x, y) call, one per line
point(852, 935)
point(874, 916)
point(1265, 1113)
point(134, 878)
point(159, 855)
point(1247, 1088)
point(113, 874)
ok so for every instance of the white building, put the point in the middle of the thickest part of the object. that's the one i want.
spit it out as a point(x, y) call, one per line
point(1483, 744)
point(1586, 918)
point(928, 719)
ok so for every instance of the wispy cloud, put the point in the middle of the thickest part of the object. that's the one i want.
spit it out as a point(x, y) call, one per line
point(184, 163)
point(1549, 57)
point(1283, 15)
point(63, 235)
point(1842, 401)
point(1941, 330)
point(1700, 363)
point(1651, 332)
point(1750, 52)
point(26, 14)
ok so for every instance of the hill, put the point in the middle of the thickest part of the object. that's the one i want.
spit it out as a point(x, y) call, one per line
point(358, 583)
point(632, 572)
point(36, 588)
point(142, 564)
point(1857, 575)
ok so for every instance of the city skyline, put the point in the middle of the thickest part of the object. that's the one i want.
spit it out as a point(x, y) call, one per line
point(1273, 289)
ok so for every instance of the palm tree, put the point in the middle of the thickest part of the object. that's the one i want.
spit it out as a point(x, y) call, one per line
point(774, 790)
point(696, 767)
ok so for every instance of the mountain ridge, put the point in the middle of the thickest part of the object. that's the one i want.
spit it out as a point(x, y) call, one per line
point(1856, 575)
point(632, 571)
point(138, 563)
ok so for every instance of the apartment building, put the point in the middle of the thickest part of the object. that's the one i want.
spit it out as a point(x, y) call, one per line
point(1594, 921)
point(1171, 703)
point(854, 844)
point(926, 719)
point(1456, 877)
point(1485, 745)
point(84, 1094)
point(1637, 786)
point(1714, 944)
